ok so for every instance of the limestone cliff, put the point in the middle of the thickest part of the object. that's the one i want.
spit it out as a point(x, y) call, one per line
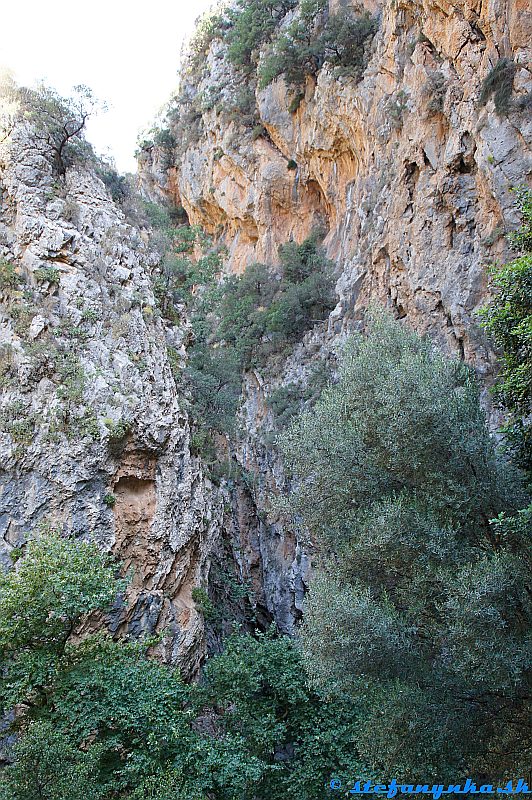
point(407, 171)
point(409, 177)
point(93, 435)
point(94, 429)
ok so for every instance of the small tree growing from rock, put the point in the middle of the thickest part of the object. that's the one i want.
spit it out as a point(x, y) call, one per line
point(60, 122)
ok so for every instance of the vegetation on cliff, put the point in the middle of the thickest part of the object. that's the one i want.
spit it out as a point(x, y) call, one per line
point(413, 657)
point(262, 40)
point(508, 318)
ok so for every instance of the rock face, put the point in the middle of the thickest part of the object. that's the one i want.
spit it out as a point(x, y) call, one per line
point(94, 432)
point(408, 175)
point(407, 172)
point(93, 436)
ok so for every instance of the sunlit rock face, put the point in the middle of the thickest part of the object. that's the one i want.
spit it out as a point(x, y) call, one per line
point(409, 175)
point(405, 171)
point(94, 438)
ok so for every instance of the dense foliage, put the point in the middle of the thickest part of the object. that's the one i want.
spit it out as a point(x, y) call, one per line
point(420, 608)
point(416, 637)
point(304, 48)
point(100, 720)
point(314, 37)
point(248, 319)
point(508, 318)
point(251, 24)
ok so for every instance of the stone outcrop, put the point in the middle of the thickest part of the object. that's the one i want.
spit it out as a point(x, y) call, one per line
point(409, 177)
point(93, 434)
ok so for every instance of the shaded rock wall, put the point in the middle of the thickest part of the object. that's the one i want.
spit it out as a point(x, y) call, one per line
point(90, 414)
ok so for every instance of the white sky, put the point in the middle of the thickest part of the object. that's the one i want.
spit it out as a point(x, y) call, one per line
point(126, 51)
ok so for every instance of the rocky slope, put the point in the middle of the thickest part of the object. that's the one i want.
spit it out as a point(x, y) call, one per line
point(408, 175)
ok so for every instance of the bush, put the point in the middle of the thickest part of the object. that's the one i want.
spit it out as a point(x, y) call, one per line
point(118, 432)
point(434, 91)
point(204, 603)
point(499, 84)
point(508, 318)
point(49, 275)
point(48, 765)
point(257, 132)
point(251, 24)
point(305, 47)
point(8, 276)
point(117, 184)
point(295, 103)
point(261, 313)
point(59, 123)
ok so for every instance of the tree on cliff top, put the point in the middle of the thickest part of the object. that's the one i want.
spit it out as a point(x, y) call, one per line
point(59, 123)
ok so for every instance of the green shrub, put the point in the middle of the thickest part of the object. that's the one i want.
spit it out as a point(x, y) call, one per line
point(295, 103)
point(164, 138)
point(286, 402)
point(304, 48)
point(48, 764)
point(251, 24)
point(257, 132)
point(7, 364)
point(72, 377)
point(499, 83)
point(213, 375)
point(22, 431)
point(521, 239)
point(292, 165)
point(8, 276)
point(15, 554)
point(90, 315)
point(434, 91)
point(109, 500)
point(49, 275)
point(508, 318)
point(396, 105)
point(204, 604)
point(117, 184)
point(249, 318)
point(261, 313)
point(183, 270)
point(118, 432)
